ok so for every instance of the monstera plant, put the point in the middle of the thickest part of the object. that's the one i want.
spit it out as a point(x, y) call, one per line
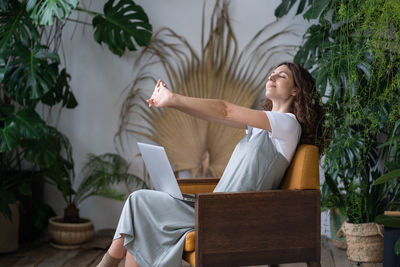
point(32, 76)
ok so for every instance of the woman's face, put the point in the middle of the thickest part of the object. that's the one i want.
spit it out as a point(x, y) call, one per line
point(280, 84)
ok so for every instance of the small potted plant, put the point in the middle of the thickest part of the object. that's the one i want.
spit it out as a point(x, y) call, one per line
point(99, 174)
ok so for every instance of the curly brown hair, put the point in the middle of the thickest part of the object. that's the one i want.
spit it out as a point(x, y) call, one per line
point(307, 106)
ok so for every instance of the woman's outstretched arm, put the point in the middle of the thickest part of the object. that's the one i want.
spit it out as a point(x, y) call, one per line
point(213, 110)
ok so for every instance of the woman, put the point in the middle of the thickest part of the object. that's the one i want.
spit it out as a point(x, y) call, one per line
point(153, 225)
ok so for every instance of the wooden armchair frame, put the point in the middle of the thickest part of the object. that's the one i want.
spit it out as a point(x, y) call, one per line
point(254, 228)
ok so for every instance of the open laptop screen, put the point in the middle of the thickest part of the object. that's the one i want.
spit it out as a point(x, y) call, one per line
point(160, 170)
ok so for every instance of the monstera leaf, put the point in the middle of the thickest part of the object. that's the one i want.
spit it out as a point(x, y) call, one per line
point(285, 6)
point(46, 151)
point(120, 25)
point(25, 124)
point(61, 92)
point(312, 8)
point(16, 26)
point(43, 12)
point(31, 74)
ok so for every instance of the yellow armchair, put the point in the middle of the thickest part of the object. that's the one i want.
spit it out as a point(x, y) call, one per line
point(254, 228)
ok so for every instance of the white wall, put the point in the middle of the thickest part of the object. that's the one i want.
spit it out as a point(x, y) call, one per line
point(99, 77)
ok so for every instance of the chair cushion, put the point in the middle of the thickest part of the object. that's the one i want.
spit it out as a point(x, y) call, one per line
point(189, 241)
point(303, 172)
point(196, 188)
point(189, 257)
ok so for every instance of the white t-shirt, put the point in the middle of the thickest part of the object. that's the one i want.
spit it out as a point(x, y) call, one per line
point(286, 132)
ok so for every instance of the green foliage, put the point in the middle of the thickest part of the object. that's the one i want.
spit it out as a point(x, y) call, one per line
point(43, 12)
point(391, 157)
point(51, 148)
point(100, 173)
point(23, 125)
point(61, 92)
point(353, 51)
point(6, 198)
point(312, 8)
point(16, 26)
point(30, 73)
point(388, 221)
point(120, 24)
point(388, 177)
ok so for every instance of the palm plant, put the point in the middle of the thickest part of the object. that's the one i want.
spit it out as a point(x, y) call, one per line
point(31, 75)
point(100, 173)
point(218, 71)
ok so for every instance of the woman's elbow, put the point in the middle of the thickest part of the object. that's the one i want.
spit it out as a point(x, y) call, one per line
point(226, 110)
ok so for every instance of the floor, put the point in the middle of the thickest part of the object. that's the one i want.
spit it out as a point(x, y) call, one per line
point(42, 254)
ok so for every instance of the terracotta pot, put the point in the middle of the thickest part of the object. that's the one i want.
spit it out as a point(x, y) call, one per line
point(364, 241)
point(70, 235)
point(9, 230)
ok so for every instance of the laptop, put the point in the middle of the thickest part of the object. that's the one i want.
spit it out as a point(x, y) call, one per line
point(161, 174)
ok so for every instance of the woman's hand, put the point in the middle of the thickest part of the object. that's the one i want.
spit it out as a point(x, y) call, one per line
point(161, 96)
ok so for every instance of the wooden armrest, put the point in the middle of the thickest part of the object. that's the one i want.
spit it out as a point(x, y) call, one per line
point(250, 227)
point(197, 185)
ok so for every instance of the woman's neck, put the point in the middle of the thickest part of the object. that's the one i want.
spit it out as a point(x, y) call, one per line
point(282, 107)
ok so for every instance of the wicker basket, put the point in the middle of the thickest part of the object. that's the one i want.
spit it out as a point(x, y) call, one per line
point(70, 235)
point(364, 241)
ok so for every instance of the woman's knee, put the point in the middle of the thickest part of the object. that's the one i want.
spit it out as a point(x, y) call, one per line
point(139, 194)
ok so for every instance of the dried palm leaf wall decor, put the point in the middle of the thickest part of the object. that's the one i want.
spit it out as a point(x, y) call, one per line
point(219, 71)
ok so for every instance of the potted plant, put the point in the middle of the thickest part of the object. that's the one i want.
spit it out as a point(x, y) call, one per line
point(31, 76)
point(100, 173)
point(353, 51)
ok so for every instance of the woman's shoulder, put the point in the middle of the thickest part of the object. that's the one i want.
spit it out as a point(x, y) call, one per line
point(281, 115)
